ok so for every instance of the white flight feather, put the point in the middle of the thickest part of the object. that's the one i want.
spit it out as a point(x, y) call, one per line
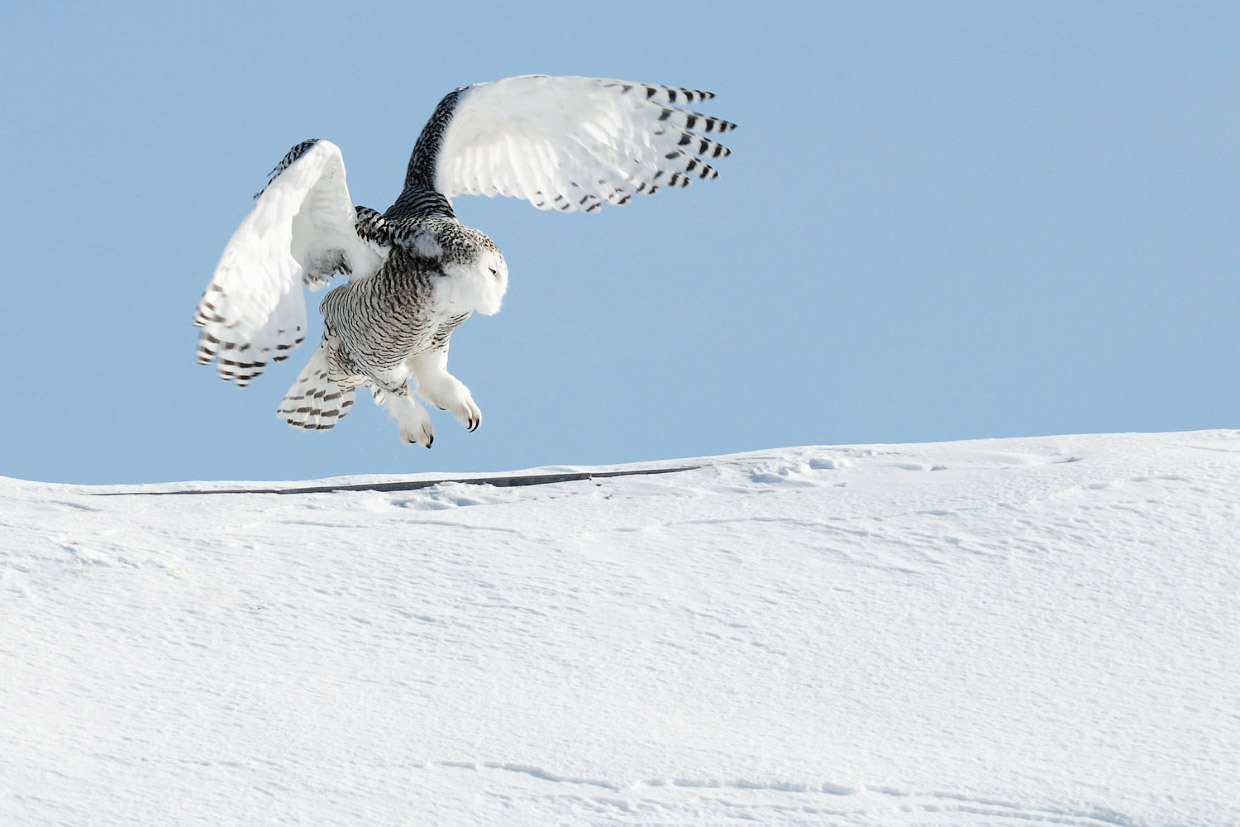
point(254, 308)
point(568, 143)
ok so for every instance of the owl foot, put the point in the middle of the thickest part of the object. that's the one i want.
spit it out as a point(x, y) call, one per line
point(467, 413)
point(414, 421)
point(421, 437)
point(446, 392)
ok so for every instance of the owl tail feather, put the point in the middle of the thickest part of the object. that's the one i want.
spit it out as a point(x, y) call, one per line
point(316, 401)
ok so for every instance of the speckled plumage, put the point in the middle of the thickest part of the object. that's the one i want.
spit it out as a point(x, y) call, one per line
point(415, 272)
point(378, 330)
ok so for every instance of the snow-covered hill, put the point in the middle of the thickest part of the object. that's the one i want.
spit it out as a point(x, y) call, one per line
point(1010, 631)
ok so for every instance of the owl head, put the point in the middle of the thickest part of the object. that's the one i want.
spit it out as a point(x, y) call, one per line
point(477, 275)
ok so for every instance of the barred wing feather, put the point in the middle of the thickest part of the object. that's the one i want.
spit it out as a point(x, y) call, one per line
point(574, 143)
point(302, 229)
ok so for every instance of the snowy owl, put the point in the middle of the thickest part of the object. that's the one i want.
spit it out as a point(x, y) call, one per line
point(414, 272)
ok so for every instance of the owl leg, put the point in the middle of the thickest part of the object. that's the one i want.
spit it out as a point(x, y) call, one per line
point(392, 391)
point(442, 389)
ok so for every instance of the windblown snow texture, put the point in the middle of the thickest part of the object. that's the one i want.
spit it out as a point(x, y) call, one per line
point(1039, 631)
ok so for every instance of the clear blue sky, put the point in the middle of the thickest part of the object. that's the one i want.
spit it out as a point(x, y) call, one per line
point(940, 221)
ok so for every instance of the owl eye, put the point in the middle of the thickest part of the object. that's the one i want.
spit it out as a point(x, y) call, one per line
point(492, 269)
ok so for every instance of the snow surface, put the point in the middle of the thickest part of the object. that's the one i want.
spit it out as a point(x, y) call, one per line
point(988, 632)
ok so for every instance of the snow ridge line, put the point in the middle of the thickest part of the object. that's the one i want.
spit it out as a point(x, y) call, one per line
point(415, 485)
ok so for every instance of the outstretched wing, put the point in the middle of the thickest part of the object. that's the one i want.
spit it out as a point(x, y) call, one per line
point(567, 143)
point(302, 230)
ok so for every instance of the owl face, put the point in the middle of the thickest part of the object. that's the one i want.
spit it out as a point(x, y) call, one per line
point(493, 271)
point(475, 283)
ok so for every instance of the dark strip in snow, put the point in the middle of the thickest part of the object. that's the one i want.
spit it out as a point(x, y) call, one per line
point(414, 485)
